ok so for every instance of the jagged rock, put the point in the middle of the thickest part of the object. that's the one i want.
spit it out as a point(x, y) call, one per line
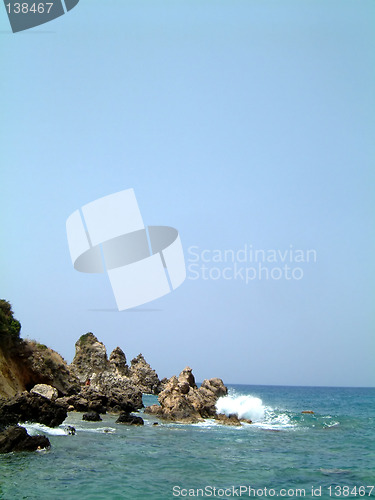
point(246, 420)
point(16, 438)
point(182, 401)
point(143, 376)
point(187, 377)
point(120, 391)
point(227, 419)
point(129, 419)
point(70, 430)
point(91, 416)
point(210, 391)
point(109, 386)
point(117, 360)
point(45, 390)
point(29, 407)
point(163, 383)
point(90, 357)
point(96, 401)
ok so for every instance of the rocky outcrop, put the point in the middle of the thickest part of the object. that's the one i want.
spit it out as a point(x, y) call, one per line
point(117, 360)
point(129, 419)
point(231, 419)
point(28, 407)
point(143, 376)
point(91, 416)
point(110, 384)
point(90, 358)
point(25, 363)
point(91, 365)
point(16, 438)
point(182, 401)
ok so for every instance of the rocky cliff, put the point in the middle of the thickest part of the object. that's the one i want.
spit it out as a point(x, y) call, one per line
point(92, 381)
point(25, 363)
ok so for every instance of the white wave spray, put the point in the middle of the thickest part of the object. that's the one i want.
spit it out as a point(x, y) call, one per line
point(248, 407)
point(34, 429)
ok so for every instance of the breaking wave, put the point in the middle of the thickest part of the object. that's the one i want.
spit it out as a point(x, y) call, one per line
point(34, 429)
point(252, 408)
point(248, 407)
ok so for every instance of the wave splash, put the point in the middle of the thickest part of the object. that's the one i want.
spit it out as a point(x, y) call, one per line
point(248, 407)
point(35, 429)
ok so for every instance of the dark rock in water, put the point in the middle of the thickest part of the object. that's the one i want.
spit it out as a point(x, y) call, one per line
point(70, 430)
point(32, 407)
point(227, 419)
point(155, 423)
point(127, 418)
point(182, 401)
point(246, 420)
point(91, 416)
point(16, 438)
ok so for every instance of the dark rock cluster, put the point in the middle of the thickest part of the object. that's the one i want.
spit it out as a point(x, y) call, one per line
point(16, 438)
point(31, 407)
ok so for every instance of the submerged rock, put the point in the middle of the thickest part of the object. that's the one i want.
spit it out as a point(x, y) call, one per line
point(129, 419)
point(182, 401)
point(228, 419)
point(31, 407)
point(91, 416)
point(16, 438)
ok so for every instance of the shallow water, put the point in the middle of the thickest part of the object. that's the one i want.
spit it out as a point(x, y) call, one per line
point(282, 449)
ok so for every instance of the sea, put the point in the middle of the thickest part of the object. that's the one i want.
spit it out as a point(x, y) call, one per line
point(284, 453)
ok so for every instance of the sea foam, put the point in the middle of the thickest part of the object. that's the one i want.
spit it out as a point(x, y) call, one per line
point(35, 429)
point(248, 407)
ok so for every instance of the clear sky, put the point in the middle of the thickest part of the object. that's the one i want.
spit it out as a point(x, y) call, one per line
point(237, 122)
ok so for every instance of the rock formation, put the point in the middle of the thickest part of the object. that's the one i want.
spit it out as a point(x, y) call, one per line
point(25, 363)
point(143, 376)
point(28, 407)
point(92, 383)
point(91, 416)
point(45, 390)
point(182, 401)
point(16, 438)
point(110, 383)
point(129, 419)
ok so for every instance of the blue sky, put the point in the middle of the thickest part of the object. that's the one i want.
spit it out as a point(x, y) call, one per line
point(242, 122)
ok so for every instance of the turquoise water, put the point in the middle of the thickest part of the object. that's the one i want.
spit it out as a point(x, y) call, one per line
point(283, 450)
